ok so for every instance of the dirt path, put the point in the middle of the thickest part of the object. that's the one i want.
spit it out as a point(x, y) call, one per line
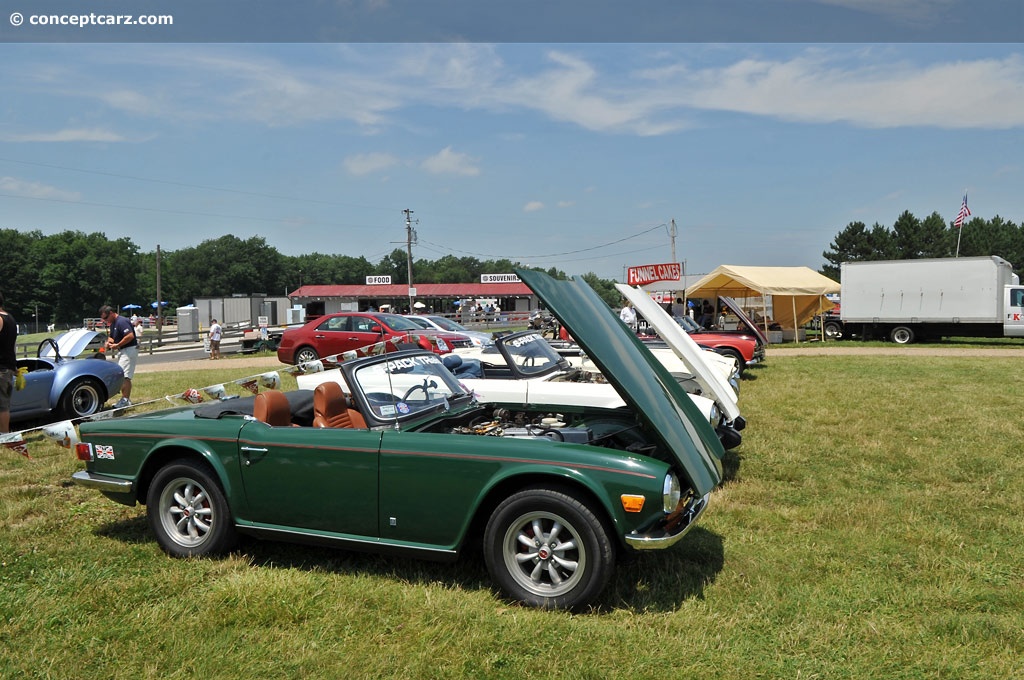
point(269, 363)
point(802, 349)
point(848, 349)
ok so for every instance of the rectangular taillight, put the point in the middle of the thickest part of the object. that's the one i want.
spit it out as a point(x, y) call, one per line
point(83, 451)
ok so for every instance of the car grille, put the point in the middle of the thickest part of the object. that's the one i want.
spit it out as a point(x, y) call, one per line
point(460, 343)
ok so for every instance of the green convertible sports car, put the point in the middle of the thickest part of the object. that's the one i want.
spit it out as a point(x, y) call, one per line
point(396, 456)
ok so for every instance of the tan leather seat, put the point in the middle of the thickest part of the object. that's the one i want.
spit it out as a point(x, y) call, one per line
point(330, 408)
point(272, 408)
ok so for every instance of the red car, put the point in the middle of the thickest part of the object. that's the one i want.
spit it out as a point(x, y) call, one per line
point(743, 347)
point(337, 333)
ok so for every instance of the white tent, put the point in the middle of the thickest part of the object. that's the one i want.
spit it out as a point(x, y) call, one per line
point(798, 293)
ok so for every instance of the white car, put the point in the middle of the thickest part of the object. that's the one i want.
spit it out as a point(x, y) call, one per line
point(523, 368)
point(442, 323)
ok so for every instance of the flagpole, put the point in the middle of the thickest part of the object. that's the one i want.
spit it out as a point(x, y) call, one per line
point(964, 213)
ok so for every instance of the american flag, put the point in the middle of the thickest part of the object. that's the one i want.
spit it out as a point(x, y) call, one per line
point(965, 212)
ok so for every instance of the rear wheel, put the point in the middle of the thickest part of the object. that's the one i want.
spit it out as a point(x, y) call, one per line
point(188, 512)
point(902, 335)
point(547, 549)
point(82, 398)
point(306, 355)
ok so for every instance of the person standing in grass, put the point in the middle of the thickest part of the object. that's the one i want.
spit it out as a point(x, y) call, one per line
point(8, 364)
point(122, 338)
point(216, 332)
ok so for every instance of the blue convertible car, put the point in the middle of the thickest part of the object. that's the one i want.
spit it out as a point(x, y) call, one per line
point(58, 386)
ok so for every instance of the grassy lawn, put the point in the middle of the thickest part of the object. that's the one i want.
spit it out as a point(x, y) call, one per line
point(871, 526)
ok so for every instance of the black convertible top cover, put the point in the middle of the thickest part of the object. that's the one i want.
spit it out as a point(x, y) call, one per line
point(301, 402)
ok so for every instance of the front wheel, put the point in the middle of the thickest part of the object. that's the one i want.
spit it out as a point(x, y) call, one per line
point(833, 330)
point(902, 335)
point(188, 512)
point(546, 549)
point(81, 398)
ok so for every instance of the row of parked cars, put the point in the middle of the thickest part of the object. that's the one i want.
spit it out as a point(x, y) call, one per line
point(555, 462)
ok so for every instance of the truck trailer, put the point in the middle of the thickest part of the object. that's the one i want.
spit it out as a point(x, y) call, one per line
point(928, 299)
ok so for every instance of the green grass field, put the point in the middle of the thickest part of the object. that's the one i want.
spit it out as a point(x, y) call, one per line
point(870, 526)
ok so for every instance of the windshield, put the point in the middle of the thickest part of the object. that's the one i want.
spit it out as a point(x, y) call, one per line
point(532, 354)
point(398, 323)
point(422, 323)
point(448, 324)
point(403, 387)
point(688, 324)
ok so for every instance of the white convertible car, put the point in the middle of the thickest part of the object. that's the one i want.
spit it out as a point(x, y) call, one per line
point(523, 368)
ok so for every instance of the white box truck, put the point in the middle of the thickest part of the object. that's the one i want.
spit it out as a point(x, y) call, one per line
point(908, 300)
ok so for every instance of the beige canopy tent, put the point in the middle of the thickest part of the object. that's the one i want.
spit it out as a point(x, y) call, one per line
point(798, 293)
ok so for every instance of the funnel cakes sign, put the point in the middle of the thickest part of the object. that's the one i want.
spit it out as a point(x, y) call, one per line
point(649, 273)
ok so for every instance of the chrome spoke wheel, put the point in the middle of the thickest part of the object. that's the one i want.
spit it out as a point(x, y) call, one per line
point(186, 512)
point(544, 554)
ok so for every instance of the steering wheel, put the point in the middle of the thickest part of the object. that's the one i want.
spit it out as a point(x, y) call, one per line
point(52, 343)
point(425, 388)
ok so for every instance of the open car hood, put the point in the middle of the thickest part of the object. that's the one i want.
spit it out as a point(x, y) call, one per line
point(71, 344)
point(735, 308)
point(640, 379)
point(685, 348)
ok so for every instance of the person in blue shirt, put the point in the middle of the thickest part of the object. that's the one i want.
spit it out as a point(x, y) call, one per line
point(122, 340)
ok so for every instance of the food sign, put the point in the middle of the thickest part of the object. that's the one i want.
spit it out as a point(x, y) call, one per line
point(649, 273)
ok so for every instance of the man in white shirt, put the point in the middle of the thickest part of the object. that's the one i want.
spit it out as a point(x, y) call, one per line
point(215, 335)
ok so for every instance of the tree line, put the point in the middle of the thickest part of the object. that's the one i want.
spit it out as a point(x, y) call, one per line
point(66, 277)
point(911, 238)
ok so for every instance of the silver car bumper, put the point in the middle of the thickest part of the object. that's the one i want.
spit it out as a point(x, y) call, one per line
point(103, 483)
point(670, 530)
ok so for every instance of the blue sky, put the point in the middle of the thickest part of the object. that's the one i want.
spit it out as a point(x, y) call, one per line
point(569, 155)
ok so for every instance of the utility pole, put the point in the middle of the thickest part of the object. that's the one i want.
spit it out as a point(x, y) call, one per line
point(409, 234)
point(672, 234)
point(159, 307)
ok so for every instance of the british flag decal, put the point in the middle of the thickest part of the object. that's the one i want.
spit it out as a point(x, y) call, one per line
point(106, 452)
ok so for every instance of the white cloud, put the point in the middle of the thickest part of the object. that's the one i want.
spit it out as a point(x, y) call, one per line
point(19, 187)
point(927, 11)
point(648, 92)
point(69, 135)
point(533, 206)
point(565, 204)
point(369, 163)
point(971, 94)
point(448, 162)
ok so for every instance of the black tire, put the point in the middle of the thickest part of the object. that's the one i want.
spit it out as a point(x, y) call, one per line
point(833, 330)
point(306, 355)
point(81, 398)
point(187, 511)
point(566, 567)
point(902, 335)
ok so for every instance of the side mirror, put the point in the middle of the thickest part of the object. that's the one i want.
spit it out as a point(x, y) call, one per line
point(376, 328)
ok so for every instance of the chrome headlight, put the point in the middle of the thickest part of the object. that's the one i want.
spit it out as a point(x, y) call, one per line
point(714, 416)
point(670, 493)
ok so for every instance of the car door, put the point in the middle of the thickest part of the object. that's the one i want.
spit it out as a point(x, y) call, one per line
point(333, 335)
point(34, 397)
point(319, 479)
point(362, 333)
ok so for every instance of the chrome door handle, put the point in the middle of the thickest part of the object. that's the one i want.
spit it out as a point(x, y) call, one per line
point(254, 449)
